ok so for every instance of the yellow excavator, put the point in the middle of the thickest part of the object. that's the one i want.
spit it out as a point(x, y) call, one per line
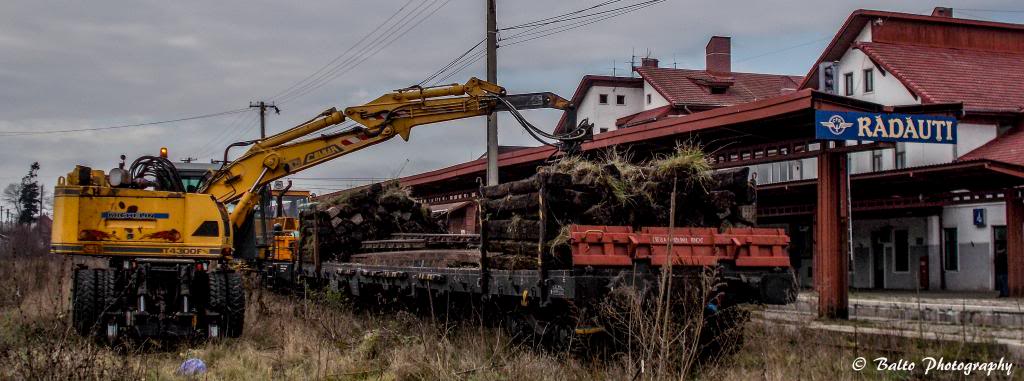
point(168, 245)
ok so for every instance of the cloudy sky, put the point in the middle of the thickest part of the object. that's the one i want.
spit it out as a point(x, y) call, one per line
point(79, 65)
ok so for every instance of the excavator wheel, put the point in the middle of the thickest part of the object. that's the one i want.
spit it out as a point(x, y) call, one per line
point(83, 301)
point(227, 298)
point(234, 308)
point(107, 300)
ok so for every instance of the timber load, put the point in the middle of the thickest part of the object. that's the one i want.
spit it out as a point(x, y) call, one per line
point(537, 213)
point(377, 212)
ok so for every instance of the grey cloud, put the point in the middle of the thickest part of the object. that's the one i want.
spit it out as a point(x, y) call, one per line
point(92, 64)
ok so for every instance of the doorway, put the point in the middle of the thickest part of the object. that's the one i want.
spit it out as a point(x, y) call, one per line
point(1000, 265)
point(878, 250)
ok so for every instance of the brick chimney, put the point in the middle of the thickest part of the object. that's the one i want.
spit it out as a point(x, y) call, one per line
point(648, 62)
point(718, 54)
point(942, 12)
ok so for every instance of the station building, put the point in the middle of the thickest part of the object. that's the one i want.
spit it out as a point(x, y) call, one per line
point(924, 216)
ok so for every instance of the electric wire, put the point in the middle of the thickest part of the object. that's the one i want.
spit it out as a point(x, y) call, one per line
point(536, 22)
point(203, 116)
point(385, 41)
point(469, 62)
point(376, 39)
point(346, 52)
point(452, 63)
point(538, 33)
point(203, 150)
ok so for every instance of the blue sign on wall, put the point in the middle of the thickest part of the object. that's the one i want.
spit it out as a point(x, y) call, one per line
point(979, 217)
point(884, 127)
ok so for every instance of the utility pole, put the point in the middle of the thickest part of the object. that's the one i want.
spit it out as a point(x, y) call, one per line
point(492, 77)
point(265, 190)
point(263, 106)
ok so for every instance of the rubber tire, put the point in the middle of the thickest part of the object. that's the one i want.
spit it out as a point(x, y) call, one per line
point(106, 291)
point(234, 308)
point(83, 301)
point(217, 294)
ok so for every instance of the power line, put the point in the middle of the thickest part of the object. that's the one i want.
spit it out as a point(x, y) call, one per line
point(338, 57)
point(470, 61)
point(383, 40)
point(536, 22)
point(203, 116)
point(233, 134)
point(357, 50)
point(222, 133)
point(776, 51)
point(452, 63)
point(578, 24)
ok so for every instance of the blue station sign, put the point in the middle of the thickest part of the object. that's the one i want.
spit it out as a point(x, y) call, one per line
point(884, 127)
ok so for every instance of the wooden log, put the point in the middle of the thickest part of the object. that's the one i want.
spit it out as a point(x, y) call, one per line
point(527, 201)
point(509, 247)
point(517, 229)
point(528, 185)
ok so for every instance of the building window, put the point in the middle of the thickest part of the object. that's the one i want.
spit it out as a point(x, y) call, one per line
point(848, 83)
point(950, 250)
point(620, 100)
point(869, 80)
point(648, 98)
point(602, 99)
point(901, 261)
point(603, 130)
point(876, 160)
point(901, 155)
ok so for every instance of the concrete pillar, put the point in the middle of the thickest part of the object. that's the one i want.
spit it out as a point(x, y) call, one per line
point(831, 260)
point(1015, 242)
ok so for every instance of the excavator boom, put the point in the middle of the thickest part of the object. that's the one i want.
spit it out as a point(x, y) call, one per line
point(390, 115)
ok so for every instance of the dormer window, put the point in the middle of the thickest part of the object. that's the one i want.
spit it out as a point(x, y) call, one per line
point(718, 89)
point(602, 99)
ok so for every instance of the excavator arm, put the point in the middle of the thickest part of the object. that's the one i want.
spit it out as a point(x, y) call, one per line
point(392, 114)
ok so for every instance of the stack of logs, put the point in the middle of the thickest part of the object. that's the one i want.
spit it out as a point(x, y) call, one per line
point(516, 231)
point(373, 213)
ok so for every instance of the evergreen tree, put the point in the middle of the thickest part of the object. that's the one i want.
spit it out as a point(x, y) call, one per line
point(29, 198)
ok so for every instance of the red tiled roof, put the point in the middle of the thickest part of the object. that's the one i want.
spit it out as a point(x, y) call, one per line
point(859, 18)
point(982, 80)
point(646, 116)
point(1008, 148)
point(693, 87)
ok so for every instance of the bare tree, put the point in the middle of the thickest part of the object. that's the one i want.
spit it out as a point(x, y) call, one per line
point(11, 195)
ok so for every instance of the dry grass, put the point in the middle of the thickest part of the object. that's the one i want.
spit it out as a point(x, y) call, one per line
point(318, 337)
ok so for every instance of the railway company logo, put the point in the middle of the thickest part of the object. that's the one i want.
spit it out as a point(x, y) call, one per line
point(836, 124)
point(884, 127)
point(133, 216)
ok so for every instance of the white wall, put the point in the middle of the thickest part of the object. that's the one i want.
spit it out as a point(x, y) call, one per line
point(862, 272)
point(604, 115)
point(656, 99)
point(971, 136)
point(890, 91)
point(975, 245)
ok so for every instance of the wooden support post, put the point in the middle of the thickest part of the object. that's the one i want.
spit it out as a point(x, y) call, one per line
point(830, 249)
point(1015, 242)
point(542, 272)
point(485, 271)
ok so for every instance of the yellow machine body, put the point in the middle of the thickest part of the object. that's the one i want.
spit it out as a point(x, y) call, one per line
point(100, 220)
point(93, 217)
